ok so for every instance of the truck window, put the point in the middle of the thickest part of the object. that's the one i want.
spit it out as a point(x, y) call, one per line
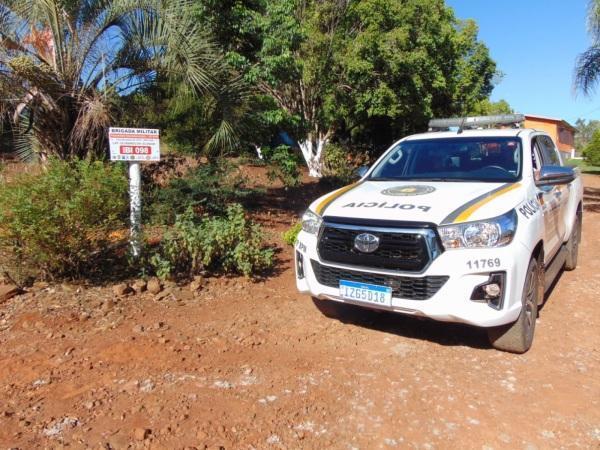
point(536, 160)
point(549, 152)
point(485, 158)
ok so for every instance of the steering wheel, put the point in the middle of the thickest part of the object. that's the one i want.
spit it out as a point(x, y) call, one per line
point(495, 168)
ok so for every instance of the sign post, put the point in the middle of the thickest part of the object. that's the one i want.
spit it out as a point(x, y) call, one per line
point(134, 145)
point(135, 198)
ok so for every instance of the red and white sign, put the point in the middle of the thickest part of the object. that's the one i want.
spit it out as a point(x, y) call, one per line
point(134, 144)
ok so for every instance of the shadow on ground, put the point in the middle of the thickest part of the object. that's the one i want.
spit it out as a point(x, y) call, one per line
point(442, 333)
point(293, 200)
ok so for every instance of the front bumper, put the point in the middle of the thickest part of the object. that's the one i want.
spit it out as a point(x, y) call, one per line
point(465, 269)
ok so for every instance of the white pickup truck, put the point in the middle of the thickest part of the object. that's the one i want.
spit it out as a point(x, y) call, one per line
point(467, 226)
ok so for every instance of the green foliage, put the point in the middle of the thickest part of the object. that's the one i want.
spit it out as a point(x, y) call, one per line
point(65, 65)
point(585, 131)
point(55, 223)
point(486, 107)
point(183, 125)
point(583, 166)
point(295, 63)
point(284, 165)
point(406, 62)
point(368, 72)
point(290, 236)
point(207, 189)
point(338, 165)
point(591, 152)
point(233, 26)
point(229, 244)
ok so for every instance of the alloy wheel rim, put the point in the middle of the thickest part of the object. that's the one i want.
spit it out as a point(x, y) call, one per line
point(530, 298)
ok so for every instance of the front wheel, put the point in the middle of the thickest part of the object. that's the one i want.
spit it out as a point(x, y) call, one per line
point(573, 245)
point(517, 337)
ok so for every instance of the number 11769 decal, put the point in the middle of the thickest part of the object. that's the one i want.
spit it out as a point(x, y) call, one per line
point(483, 263)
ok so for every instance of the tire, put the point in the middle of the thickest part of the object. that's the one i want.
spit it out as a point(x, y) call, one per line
point(517, 337)
point(573, 245)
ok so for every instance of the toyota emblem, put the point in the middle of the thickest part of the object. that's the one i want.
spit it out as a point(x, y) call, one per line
point(366, 243)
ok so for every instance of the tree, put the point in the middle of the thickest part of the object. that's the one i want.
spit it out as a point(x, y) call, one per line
point(592, 150)
point(585, 131)
point(587, 67)
point(233, 24)
point(405, 62)
point(64, 64)
point(368, 71)
point(299, 43)
point(486, 107)
point(239, 114)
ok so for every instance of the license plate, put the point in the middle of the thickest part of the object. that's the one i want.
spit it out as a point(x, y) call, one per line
point(367, 293)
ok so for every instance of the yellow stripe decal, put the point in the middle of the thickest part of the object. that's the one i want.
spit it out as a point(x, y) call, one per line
point(463, 216)
point(334, 195)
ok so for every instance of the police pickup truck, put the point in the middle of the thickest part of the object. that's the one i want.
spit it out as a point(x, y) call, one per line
point(467, 226)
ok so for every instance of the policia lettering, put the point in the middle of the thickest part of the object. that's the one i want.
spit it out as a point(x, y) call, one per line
point(385, 205)
point(529, 209)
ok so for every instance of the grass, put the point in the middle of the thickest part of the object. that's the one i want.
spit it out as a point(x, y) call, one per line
point(585, 167)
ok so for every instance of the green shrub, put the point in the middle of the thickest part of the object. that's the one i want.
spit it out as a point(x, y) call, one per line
point(592, 150)
point(338, 165)
point(284, 165)
point(290, 236)
point(208, 189)
point(53, 224)
point(229, 244)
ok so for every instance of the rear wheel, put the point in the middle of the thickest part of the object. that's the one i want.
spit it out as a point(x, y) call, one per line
point(517, 337)
point(573, 245)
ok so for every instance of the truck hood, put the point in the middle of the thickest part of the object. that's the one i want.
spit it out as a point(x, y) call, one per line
point(433, 202)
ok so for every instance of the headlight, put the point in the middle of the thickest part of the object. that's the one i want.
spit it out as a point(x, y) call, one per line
point(311, 222)
point(495, 232)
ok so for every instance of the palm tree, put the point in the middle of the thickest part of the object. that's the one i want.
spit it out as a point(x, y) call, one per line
point(64, 63)
point(587, 68)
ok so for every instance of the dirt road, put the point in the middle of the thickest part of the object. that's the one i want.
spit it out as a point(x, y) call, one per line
point(256, 365)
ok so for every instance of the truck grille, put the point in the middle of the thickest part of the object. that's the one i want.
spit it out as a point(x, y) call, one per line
point(411, 288)
point(398, 249)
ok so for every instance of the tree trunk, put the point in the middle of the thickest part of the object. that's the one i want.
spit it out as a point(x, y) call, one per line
point(312, 150)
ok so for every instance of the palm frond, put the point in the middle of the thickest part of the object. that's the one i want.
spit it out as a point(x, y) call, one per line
point(93, 119)
point(223, 139)
point(587, 70)
point(593, 20)
point(26, 146)
point(65, 61)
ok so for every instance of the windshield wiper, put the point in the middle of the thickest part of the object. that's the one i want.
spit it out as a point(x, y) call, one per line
point(458, 180)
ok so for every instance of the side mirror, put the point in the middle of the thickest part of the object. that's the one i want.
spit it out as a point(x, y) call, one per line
point(553, 175)
point(361, 171)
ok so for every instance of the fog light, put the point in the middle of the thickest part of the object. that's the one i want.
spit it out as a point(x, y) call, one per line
point(492, 291)
point(299, 265)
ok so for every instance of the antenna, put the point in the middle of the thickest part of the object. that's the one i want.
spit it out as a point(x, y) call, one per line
point(462, 124)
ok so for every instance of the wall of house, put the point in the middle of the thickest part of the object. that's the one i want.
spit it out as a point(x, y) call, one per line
point(563, 137)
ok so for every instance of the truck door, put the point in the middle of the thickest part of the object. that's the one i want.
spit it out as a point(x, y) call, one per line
point(548, 200)
point(551, 156)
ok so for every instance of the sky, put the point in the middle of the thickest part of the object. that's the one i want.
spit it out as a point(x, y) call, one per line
point(535, 44)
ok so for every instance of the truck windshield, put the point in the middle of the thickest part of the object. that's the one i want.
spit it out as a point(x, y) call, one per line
point(490, 159)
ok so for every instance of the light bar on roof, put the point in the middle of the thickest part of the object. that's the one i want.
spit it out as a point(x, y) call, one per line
point(479, 121)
